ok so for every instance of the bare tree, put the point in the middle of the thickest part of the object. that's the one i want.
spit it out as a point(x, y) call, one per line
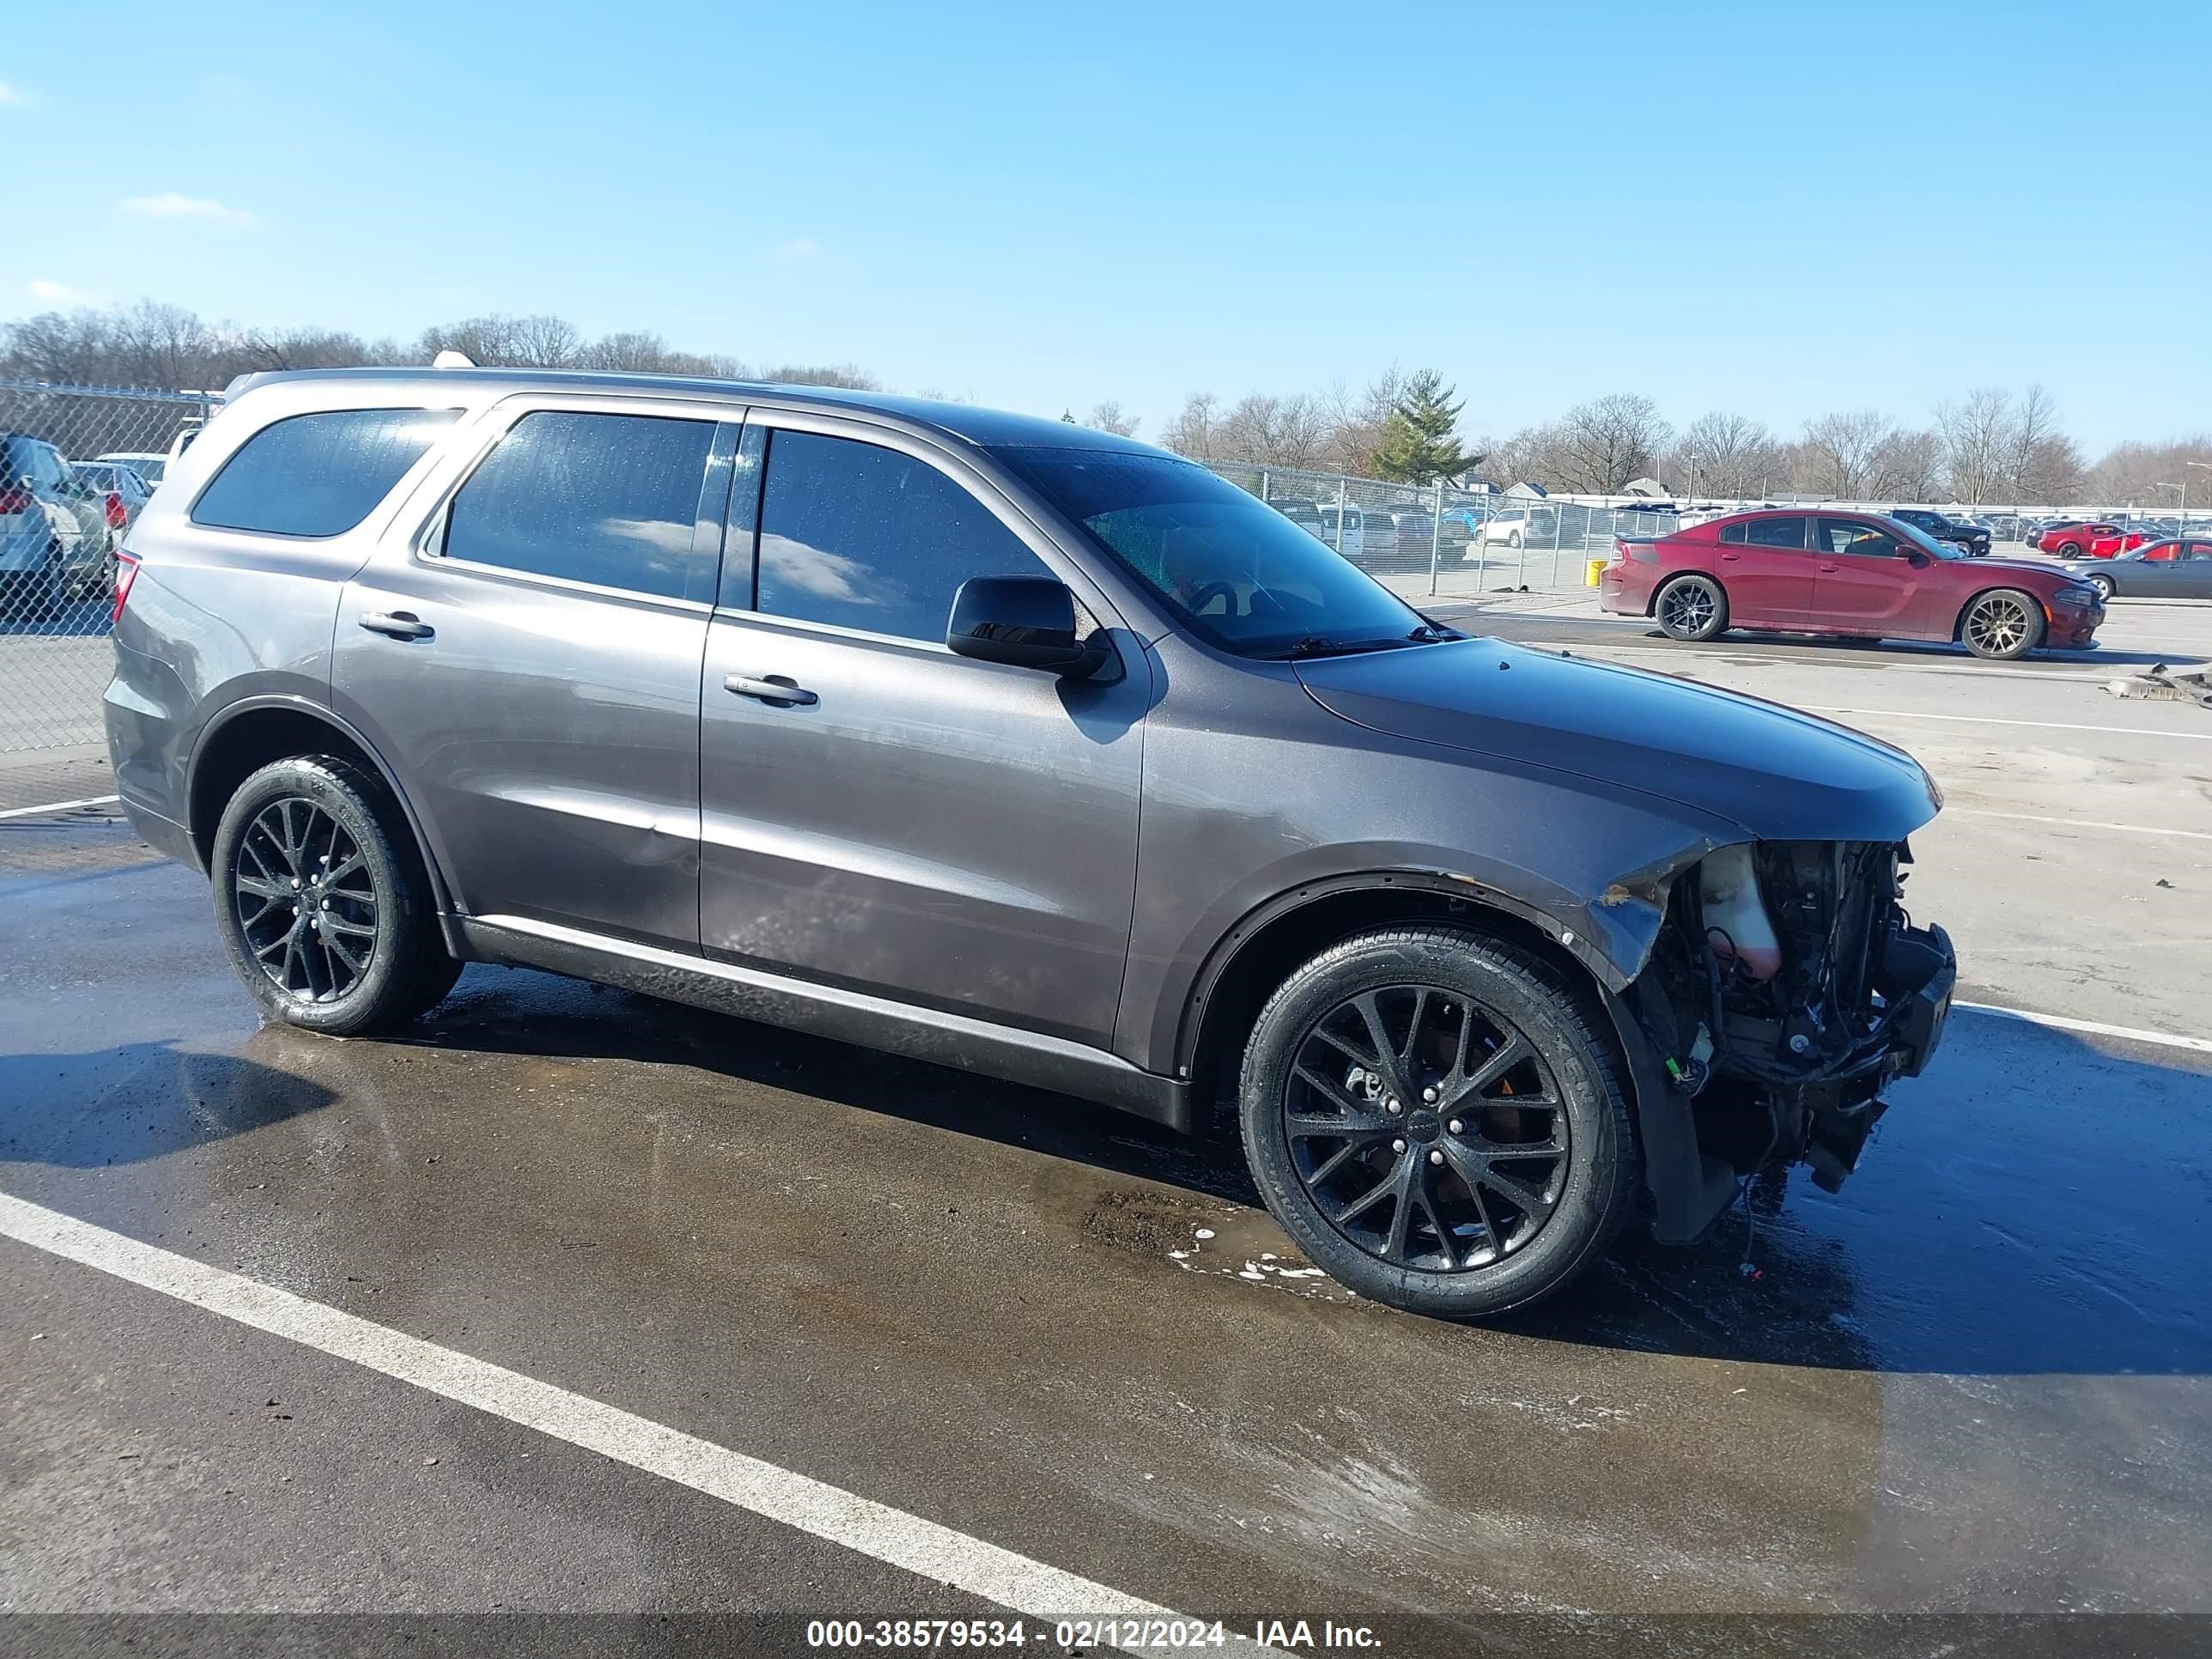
point(1981, 450)
point(1107, 416)
point(1909, 465)
point(1841, 454)
point(2131, 473)
point(1192, 432)
point(1275, 431)
point(1604, 443)
point(1356, 421)
point(1730, 455)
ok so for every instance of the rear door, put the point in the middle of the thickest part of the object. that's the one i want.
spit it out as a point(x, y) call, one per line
point(528, 661)
point(1863, 582)
point(1769, 575)
point(924, 827)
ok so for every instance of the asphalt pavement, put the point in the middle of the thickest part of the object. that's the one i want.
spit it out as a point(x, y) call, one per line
point(1974, 1382)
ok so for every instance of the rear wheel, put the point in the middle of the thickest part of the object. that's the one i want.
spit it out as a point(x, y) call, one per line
point(1691, 608)
point(2069, 550)
point(1438, 1121)
point(1513, 539)
point(2002, 623)
point(323, 902)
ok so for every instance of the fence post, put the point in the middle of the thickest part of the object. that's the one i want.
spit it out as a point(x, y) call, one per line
point(1343, 504)
point(1482, 547)
point(1436, 537)
point(1263, 483)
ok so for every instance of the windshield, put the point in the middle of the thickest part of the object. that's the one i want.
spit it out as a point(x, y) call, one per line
point(1238, 572)
point(1926, 543)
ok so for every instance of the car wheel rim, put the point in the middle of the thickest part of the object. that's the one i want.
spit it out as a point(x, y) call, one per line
point(1689, 609)
point(306, 900)
point(1998, 625)
point(1427, 1130)
point(2103, 586)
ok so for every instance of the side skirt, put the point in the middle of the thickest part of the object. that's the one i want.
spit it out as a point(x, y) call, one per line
point(895, 1027)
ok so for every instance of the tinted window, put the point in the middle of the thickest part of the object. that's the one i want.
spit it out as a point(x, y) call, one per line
point(1775, 532)
point(1859, 540)
point(609, 499)
point(858, 536)
point(1732, 533)
point(319, 475)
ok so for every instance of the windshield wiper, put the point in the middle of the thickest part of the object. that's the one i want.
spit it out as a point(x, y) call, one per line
point(1314, 644)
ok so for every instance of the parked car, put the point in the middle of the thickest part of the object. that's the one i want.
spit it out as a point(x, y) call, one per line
point(125, 492)
point(1857, 574)
point(1023, 749)
point(55, 542)
point(1352, 537)
point(150, 466)
point(1415, 531)
point(2171, 569)
point(2075, 539)
point(1973, 538)
point(1511, 528)
point(1301, 512)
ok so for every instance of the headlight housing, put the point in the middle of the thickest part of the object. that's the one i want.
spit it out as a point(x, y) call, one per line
point(2082, 594)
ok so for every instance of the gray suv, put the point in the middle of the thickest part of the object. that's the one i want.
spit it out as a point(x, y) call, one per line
point(1023, 749)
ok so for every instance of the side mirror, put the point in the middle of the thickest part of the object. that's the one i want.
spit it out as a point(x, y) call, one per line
point(1917, 559)
point(1026, 622)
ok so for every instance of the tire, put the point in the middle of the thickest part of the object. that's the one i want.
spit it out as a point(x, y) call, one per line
point(2069, 550)
point(1692, 608)
point(2002, 624)
point(280, 829)
point(1513, 540)
point(2103, 584)
point(1466, 1249)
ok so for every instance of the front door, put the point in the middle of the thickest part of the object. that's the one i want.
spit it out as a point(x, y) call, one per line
point(530, 667)
point(907, 823)
point(1863, 582)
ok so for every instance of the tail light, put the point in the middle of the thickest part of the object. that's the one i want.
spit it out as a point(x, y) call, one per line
point(126, 572)
point(1642, 552)
point(116, 516)
point(15, 501)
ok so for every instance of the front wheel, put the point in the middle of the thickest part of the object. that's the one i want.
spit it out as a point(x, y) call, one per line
point(1438, 1120)
point(323, 902)
point(2103, 584)
point(1691, 608)
point(2002, 623)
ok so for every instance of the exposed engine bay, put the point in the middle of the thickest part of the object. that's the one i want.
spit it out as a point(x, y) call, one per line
point(1787, 987)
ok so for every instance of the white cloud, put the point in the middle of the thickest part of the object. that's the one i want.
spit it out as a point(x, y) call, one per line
point(799, 247)
point(12, 94)
point(61, 293)
point(171, 205)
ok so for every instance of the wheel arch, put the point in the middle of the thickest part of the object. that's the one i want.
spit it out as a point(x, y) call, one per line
point(1668, 578)
point(1268, 942)
point(1959, 621)
point(249, 734)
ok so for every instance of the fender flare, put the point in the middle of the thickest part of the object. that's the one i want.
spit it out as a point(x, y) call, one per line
point(292, 703)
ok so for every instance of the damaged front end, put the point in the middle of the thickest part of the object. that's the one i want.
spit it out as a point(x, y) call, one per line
point(1786, 987)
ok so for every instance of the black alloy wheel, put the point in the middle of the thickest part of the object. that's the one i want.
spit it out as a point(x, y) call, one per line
point(1428, 1132)
point(306, 900)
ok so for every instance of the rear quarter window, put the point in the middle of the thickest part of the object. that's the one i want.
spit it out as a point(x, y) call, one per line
point(319, 475)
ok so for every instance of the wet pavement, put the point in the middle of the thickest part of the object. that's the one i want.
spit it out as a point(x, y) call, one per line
point(1974, 1381)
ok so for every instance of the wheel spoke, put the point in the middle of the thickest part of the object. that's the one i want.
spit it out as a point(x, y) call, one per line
point(1394, 1073)
point(332, 944)
point(338, 924)
point(1355, 1110)
point(1402, 1211)
point(1345, 1154)
point(1500, 1060)
point(1367, 1200)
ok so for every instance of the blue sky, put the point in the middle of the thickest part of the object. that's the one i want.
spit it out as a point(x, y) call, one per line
point(1779, 210)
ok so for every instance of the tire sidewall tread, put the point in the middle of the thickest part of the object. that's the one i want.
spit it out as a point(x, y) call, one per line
point(1604, 1164)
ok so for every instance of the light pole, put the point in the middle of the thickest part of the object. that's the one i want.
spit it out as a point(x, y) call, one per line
point(2202, 466)
point(2181, 509)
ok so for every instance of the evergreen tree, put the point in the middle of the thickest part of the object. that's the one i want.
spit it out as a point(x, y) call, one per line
point(1420, 440)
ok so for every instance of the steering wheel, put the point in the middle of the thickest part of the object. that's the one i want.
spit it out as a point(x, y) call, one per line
point(1196, 603)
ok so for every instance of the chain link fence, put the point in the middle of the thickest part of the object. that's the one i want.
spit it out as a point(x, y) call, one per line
point(78, 464)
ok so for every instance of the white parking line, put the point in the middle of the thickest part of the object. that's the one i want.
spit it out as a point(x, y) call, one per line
point(874, 1529)
point(58, 806)
point(1990, 720)
point(2094, 1028)
point(2075, 824)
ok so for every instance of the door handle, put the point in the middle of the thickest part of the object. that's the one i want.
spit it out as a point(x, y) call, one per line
point(772, 688)
point(1830, 569)
point(1731, 557)
point(398, 625)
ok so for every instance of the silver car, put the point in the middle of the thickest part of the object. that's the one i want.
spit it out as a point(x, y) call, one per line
point(56, 543)
point(995, 742)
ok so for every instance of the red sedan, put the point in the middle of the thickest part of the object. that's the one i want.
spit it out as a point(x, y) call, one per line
point(1857, 574)
point(2089, 540)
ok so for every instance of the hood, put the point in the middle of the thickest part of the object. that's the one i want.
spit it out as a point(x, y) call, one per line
point(2028, 566)
point(1781, 775)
